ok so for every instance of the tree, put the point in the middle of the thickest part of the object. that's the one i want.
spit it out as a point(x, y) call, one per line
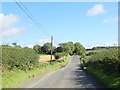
point(14, 44)
point(66, 48)
point(37, 48)
point(46, 48)
point(71, 45)
point(79, 49)
point(59, 49)
point(54, 49)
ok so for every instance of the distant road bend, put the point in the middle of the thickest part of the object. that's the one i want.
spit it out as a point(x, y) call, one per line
point(72, 76)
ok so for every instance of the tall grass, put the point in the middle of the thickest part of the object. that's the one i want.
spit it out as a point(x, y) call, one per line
point(108, 80)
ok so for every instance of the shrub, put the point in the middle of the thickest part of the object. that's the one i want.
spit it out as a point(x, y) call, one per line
point(106, 59)
point(18, 58)
point(59, 55)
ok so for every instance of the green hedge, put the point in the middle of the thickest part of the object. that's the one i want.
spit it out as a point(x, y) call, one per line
point(13, 79)
point(106, 59)
point(18, 58)
point(59, 55)
point(108, 80)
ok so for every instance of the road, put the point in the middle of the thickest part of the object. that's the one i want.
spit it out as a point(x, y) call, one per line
point(72, 76)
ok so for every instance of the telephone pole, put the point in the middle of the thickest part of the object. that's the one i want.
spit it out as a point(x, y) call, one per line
point(51, 47)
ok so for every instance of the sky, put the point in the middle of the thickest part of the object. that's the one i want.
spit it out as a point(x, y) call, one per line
point(90, 23)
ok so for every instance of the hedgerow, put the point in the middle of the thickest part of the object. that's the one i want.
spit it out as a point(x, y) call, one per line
point(104, 64)
point(18, 58)
point(107, 60)
point(59, 55)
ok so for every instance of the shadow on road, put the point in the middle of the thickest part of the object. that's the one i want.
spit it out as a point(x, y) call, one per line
point(85, 80)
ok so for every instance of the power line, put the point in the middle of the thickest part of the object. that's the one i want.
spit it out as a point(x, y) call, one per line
point(36, 22)
point(33, 16)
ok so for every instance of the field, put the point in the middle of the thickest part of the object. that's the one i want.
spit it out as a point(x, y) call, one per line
point(45, 58)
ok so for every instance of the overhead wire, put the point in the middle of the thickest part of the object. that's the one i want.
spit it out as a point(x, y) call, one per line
point(36, 22)
point(34, 17)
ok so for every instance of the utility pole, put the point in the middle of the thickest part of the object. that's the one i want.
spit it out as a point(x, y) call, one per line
point(51, 47)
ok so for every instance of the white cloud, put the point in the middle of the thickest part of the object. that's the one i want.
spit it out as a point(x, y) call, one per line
point(11, 32)
point(111, 20)
point(7, 23)
point(96, 9)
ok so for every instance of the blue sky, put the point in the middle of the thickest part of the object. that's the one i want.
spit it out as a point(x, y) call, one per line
point(90, 23)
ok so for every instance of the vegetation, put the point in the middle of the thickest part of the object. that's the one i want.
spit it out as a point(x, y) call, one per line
point(108, 80)
point(15, 78)
point(71, 48)
point(59, 55)
point(79, 49)
point(104, 64)
point(67, 47)
point(20, 64)
point(37, 48)
point(18, 58)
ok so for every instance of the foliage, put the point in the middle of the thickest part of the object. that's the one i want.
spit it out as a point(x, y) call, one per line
point(106, 59)
point(108, 80)
point(18, 58)
point(59, 55)
point(104, 64)
point(37, 48)
point(46, 48)
point(59, 49)
point(11, 79)
point(79, 49)
point(71, 48)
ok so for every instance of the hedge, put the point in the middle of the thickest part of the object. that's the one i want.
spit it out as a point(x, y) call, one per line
point(18, 58)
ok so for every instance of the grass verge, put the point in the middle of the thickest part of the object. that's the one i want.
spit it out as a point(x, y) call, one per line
point(108, 80)
point(12, 79)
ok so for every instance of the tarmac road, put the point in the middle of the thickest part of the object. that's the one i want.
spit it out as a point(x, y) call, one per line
point(72, 76)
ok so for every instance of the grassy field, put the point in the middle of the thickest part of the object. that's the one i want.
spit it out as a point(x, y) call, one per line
point(12, 79)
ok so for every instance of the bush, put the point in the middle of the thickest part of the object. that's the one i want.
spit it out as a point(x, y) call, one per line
point(59, 55)
point(106, 59)
point(18, 58)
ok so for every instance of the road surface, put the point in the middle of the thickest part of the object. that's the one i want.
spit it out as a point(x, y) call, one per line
point(72, 76)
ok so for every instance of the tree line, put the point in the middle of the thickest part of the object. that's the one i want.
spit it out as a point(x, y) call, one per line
point(67, 47)
point(24, 58)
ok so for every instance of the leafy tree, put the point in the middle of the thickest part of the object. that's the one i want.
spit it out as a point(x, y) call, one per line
point(66, 48)
point(14, 44)
point(71, 45)
point(46, 48)
point(54, 49)
point(79, 49)
point(63, 47)
point(59, 49)
point(37, 48)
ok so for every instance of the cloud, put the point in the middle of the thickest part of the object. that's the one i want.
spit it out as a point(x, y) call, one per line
point(7, 28)
point(96, 9)
point(11, 32)
point(111, 20)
